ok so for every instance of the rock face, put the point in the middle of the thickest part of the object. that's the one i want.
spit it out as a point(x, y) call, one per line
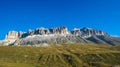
point(41, 31)
point(87, 32)
point(12, 36)
point(59, 35)
point(4, 43)
point(60, 30)
point(76, 32)
point(44, 31)
point(90, 32)
point(22, 34)
point(30, 32)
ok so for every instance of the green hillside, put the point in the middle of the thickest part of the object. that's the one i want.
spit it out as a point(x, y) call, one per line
point(72, 55)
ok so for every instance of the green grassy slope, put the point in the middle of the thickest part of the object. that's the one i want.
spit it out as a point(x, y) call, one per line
point(73, 55)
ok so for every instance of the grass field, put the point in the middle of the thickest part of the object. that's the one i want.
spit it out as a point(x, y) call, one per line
point(72, 55)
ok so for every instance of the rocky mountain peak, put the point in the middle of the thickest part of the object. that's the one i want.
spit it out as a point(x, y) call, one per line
point(59, 34)
point(11, 36)
point(76, 32)
point(83, 32)
point(87, 32)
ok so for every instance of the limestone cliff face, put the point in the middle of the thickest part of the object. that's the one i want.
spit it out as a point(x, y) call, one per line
point(87, 32)
point(90, 31)
point(52, 35)
point(59, 30)
point(76, 32)
point(41, 31)
point(30, 32)
point(46, 31)
point(22, 34)
point(12, 36)
point(4, 43)
point(84, 32)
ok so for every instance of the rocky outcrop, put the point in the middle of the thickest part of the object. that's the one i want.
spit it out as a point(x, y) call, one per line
point(59, 30)
point(87, 32)
point(76, 32)
point(84, 32)
point(90, 31)
point(22, 34)
point(4, 43)
point(30, 32)
point(39, 40)
point(12, 36)
point(41, 31)
point(54, 36)
point(1, 43)
point(45, 31)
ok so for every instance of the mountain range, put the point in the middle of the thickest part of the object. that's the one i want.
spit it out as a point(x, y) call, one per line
point(58, 36)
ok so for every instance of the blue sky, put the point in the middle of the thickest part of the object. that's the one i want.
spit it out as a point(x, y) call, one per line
point(21, 15)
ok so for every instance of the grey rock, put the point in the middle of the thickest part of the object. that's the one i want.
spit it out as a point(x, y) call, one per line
point(87, 32)
point(40, 31)
point(12, 36)
point(76, 32)
point(30, 32)
point(60, 35)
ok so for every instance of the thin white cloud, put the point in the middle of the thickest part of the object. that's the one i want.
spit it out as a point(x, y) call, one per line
point(114, 35)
